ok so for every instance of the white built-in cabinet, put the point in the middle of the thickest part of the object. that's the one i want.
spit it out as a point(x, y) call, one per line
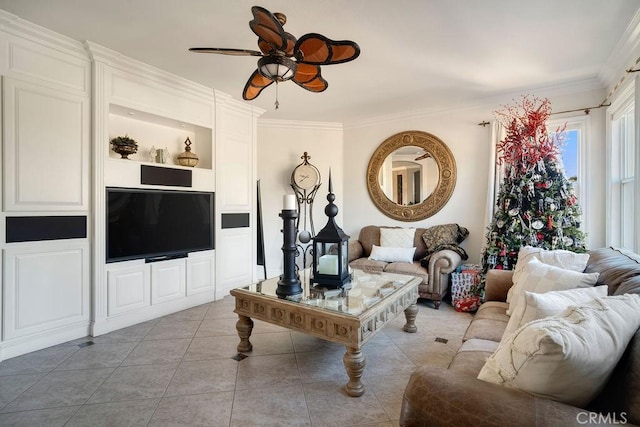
point(62, 102)
point(133, 286)
point(157, 110)
point(236, 167)
point(45, 156)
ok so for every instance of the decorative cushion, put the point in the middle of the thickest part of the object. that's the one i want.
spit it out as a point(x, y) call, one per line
point(440, 237)
point(379, 253)
point(540, 305)
point(559, 258)
point(567, 357)
point(539, 277)
point(447, 234)
point(397, 237)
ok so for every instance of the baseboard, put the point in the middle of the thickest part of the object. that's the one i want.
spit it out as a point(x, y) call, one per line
point(35, 342)
point(113, 323)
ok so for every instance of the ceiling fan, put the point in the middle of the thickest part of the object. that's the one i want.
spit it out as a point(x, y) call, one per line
point(285, 58)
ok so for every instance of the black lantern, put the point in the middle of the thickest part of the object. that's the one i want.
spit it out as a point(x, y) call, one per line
point(331, 250)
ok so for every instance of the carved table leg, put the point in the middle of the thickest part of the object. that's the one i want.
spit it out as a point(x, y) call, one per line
point(410, 313)
point(244, 325)
point(354, 363)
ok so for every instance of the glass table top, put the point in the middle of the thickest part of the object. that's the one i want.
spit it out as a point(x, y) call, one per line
point(365, 290)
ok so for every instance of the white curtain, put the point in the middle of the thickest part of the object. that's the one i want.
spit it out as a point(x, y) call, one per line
point(496, 172)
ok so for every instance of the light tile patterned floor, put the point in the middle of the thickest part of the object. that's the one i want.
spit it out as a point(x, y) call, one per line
point(179, 370)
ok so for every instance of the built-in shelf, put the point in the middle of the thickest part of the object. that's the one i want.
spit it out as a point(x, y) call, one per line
point(150, 130)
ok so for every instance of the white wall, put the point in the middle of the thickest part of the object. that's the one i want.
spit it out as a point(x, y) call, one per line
point(280, 146)
point(470, 144)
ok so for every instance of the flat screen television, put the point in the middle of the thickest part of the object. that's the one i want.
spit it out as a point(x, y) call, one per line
point(157, 224)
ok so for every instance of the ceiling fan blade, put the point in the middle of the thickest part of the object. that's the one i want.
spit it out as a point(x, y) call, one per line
point(317, 49)
point(267, 48)
point(308, 77)
point(291, 41)
point(254, 86)
point(267, 27)
point(225, 51)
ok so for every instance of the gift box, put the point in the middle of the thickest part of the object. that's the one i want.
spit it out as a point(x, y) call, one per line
point(467, 304)
point(466, 295)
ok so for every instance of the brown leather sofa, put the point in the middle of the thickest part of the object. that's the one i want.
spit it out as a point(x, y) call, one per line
point(435, 278)
point(455, 397)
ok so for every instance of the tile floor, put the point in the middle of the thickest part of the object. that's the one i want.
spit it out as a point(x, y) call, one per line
point(180, 370)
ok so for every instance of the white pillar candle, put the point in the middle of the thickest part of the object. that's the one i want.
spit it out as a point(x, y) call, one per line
point(328, 264)
point(289, 202)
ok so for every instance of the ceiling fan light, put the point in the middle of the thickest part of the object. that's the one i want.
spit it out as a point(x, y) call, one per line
point(277, 68)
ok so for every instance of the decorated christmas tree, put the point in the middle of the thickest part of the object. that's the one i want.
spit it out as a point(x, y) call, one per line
point(536, 203)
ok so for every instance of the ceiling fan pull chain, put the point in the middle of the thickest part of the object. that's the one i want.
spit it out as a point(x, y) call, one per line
point(277, 104)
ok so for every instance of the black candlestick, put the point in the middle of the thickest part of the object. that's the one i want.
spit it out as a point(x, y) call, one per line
point(289, 283)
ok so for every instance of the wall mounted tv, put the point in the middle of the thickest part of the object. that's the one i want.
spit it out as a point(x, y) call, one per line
point(157, 224)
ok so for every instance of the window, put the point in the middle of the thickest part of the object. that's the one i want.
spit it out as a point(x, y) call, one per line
point(622, 165)
point(572, 156)
point(625, 134)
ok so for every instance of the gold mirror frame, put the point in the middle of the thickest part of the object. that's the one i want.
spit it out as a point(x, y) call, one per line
point(438, 197)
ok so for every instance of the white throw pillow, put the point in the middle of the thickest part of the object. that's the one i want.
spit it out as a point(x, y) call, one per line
point(559, 258)
point(539, 277)
point(397, 237)
point(379, 253)
point(568, 357)
point(540, 305)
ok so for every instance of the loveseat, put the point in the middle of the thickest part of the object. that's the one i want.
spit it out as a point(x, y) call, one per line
point(455, 397)
point(436, 255)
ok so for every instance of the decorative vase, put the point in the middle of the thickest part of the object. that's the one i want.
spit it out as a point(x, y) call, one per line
point(158, 155)
point(187, 158)
point(124, 146)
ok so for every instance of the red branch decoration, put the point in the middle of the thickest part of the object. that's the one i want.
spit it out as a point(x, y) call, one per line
point(527, 141)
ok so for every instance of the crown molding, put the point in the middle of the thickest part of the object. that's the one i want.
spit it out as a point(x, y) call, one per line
point(299, 124)
point(17, 26)
point(257, 111)
point(223, 98)
point(622, 56)
point(489, 102)
point(116, 60)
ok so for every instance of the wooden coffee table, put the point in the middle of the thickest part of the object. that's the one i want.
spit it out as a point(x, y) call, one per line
point(351, 316)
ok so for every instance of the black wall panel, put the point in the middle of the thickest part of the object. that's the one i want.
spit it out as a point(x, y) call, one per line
point(36, 228)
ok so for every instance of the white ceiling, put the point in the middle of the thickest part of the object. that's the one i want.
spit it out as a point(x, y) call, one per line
point(416, 54)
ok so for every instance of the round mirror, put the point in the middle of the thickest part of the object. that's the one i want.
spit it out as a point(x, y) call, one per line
point(408, 175)
point(411, 175)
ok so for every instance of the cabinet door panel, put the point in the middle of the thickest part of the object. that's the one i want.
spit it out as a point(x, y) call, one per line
point(128, 289)
point(237, 171)
point(45, 287)
point(46, 136)
point(168, 281)
point(234, 262)
point(200, 274)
